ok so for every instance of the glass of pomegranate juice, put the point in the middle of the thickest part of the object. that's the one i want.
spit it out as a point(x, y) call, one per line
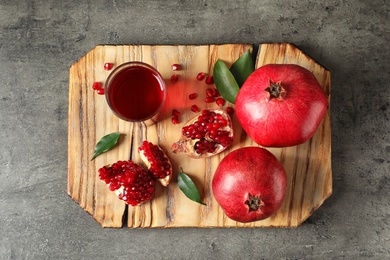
point(135, 92)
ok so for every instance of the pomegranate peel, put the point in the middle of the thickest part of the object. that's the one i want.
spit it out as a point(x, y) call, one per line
point(207, 134)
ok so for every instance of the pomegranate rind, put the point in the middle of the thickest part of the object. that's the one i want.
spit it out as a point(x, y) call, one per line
point(167, 173)
point(186, 145)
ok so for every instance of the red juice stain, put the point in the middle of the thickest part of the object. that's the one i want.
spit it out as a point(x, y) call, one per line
point(136, 93)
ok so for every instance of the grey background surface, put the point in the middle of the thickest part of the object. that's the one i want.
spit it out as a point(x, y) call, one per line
point(39, 40)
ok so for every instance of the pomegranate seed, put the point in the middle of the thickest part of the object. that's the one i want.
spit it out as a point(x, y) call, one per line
point(215, 92)
point(220, 102)
point(174, 78)
point(108, 66)
point(230, 110)
point(209, 99)
point(209, 80)
point(223, 122)
point(192, 96)
point(200, 76)
point(206, 112)
point(195, 108)
point(176, 67)
point(96, 86)
point(209, 92)
point(100, 91)
point(175, 120)
point(175, 113)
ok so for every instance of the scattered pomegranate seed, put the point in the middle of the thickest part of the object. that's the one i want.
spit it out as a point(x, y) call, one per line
point(176, 67)
point(230, 110)
point(200, 76)
point(209, 80)
point(96, 86)
point(209, 99)
point(174, 78)
point(195, 108)
point(215, 92)
point(209, 92)
point(175, 113)
point(175, 120)
point(108, 66)
point(220, 101)
point(100, 91)
point(192, 96)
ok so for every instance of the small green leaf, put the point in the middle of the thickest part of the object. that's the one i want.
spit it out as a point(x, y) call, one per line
point(242, 68)
point(105, 144)
point(187, 186)
point(225, 82)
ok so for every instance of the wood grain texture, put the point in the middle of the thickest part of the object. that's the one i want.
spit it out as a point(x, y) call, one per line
point(308, 166)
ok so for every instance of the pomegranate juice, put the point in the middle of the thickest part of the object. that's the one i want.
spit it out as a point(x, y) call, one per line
point(135, 91)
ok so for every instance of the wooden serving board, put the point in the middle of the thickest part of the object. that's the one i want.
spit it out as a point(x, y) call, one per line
point(308, 166)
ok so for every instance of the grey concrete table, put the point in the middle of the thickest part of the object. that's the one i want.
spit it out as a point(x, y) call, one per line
point(39, 40)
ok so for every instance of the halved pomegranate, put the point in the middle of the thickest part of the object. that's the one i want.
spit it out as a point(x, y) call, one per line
point(156, 162)
point(205, 135)
point(131, 183)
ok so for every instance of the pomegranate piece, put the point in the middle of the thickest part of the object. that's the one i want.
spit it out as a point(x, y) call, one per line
point(175, 120)
point(200, 76)
point(195, 108)
point(174, 78)
point(176, 67)
point(156, 161)
point(108, 66)
point(209, 80)
point(220, 102)
point(192, 96)
point(131, 183)
point(205, 135)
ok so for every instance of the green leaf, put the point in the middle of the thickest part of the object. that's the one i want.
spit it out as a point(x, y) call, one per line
point(187, 186)
point(105, 144)
point(225, 82)
point(242, 68)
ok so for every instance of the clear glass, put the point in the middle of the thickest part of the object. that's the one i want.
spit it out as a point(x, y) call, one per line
point(135, 92)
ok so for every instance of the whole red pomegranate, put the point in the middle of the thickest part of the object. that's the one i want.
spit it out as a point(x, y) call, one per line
point(280, 105)
point(249, 184)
